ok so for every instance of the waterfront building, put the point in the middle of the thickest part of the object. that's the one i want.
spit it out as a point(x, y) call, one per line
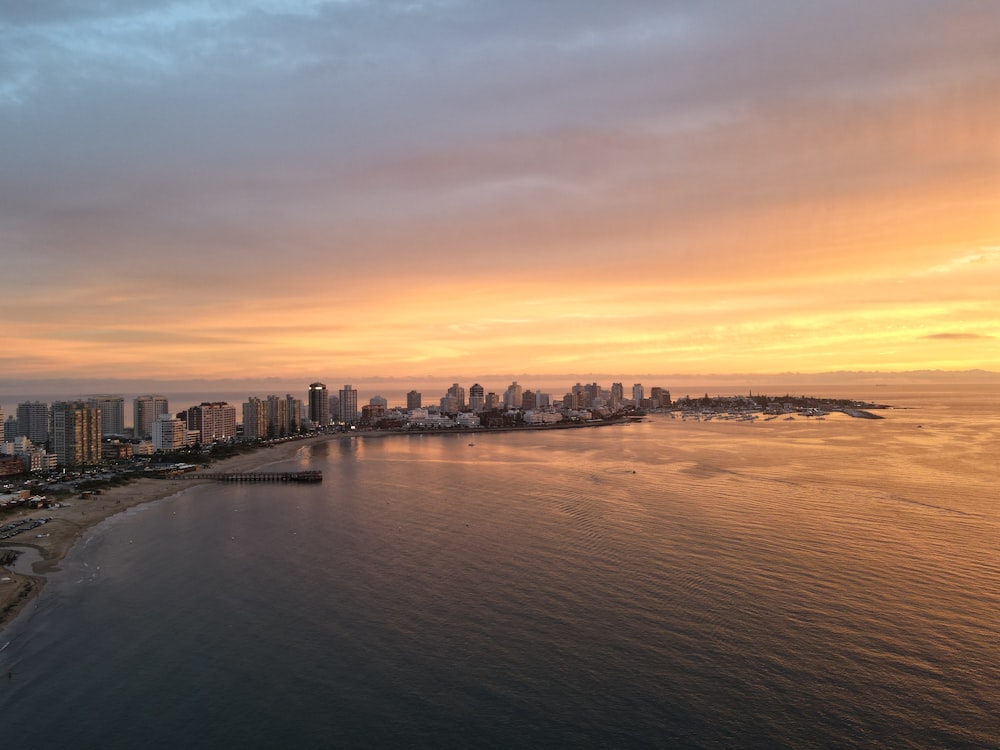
point(294, 406)
point(277, 416)
point(169, 433)
point(541, 416)
point(458, 392)
point(492, 401)
point(254, 418)
point(145, 409)
point(413, 400)
point(450, 404)
point(544, 400)
point(512, 396)
point(112, 413)
point(638, 393)
point(319, 405)
point(477, 398)
point(659, 397)
point(75, 433)
point(617, 396)
point(348, 405)
point(33, 421)
point(528, 400)
point(595, 395)
point(212, 420)
point(467, 419)
point(372, 414)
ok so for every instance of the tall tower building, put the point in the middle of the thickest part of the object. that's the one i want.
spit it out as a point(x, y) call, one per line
point(512, 396)
point(348, 405)
point(593, 395)
point(529, 400)
point(145, 410)
point(76, 433)
point(294, 406)
point(638, 393)
point(477, 398)
point(112, 413)
point(617, 396)
point(10, 429)
point(254, 418)
point(319, 405)
point(413, 400)
point(33, 421)
point(277, 416)
point(458, 393)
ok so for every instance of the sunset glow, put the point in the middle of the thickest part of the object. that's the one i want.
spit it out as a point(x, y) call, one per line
point(342, 190)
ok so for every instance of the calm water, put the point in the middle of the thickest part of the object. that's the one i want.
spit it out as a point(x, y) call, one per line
point(801, 583)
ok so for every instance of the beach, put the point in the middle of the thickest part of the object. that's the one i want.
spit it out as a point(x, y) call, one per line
point(44, 548)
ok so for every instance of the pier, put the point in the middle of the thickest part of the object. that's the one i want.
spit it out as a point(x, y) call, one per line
point(252, 476)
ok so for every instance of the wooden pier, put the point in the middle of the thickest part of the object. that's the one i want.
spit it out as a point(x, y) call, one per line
point(253, 476)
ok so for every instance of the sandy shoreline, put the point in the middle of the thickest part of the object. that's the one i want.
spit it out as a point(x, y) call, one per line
point(70, 522)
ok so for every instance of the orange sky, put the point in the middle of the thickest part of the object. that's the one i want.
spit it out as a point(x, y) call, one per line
point(343, 191)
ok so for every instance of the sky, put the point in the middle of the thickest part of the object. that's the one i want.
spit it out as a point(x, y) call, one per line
point(342, 190)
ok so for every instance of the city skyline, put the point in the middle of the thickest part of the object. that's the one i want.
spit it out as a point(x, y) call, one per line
point(320, 190)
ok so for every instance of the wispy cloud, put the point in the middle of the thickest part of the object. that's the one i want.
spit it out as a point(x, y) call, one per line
point(953, 336)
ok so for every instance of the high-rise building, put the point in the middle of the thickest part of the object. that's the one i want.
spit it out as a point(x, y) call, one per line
point(458, 392)
point(617, 396)
point(75, 433)
point(294, 406)
point(33, 421)
point(659, 397)
point(277, 416)
point(512, 396)
point(169, 433)
point(319, 405)
point(212, 420)
point(594, 395)
point(112, 413)
point(449, 404)
point(413, 400)
point(254, 418)
point(348, 405)
point(638, 393)
point(477, 398)
point(10, 431)
point(528, 400)
point(145, 409)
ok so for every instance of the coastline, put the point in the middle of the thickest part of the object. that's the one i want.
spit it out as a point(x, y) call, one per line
point(70, 522)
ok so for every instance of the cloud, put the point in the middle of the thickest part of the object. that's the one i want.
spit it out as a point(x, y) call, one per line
point(953, 336)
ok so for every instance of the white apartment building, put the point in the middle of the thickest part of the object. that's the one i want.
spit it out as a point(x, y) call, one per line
point(169, 433)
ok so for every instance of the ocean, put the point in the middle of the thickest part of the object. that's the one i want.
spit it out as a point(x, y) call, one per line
point(806, 583)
